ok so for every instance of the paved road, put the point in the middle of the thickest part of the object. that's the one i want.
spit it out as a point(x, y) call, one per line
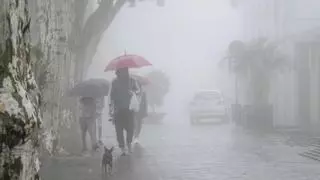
point(179, 151)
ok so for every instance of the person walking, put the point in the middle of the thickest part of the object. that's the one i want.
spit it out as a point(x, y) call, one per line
point(120, 97)
point(87, 122)
point(100, 108)
point(141, 114)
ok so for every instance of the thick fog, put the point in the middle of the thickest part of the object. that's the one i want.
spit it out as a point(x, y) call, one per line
point(193, 89)
point(186, 39)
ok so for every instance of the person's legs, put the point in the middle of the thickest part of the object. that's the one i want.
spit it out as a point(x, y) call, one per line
point(119, 129)
point(83, 129)
point(137, 127)
point(99, 123)
point(129, 119)
point(92, 132)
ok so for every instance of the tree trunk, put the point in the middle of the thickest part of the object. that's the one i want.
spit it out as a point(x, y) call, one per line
point(90, 35)
point(260, 85)
point(19, 98)
point(54, 69)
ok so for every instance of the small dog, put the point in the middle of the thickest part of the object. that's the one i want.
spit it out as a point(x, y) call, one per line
point(107, 161)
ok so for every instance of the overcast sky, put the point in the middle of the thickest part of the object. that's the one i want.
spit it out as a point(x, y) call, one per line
point(186, 39)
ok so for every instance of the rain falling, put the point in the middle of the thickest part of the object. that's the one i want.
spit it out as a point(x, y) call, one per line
point(159, 89)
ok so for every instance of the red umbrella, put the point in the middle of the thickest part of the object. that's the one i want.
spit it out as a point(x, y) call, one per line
point(127, 61)
point(142, 80)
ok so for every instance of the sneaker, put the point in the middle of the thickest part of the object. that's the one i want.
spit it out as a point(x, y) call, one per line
point(135, 140)
point(123, 151)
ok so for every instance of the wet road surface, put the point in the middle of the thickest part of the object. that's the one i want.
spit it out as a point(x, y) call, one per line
point(205, 152)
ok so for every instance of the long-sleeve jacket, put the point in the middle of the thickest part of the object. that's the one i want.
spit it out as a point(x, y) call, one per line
point(120, 94)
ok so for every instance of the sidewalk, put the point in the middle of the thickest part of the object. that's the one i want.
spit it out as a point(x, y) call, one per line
point(174, 152)
point(89, 168)
point(77, 167)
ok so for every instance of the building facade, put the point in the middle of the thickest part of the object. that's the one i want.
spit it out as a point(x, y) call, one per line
point(295, 26)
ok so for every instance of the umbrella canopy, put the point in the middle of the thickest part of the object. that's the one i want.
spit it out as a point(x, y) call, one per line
point(142, 80)
point(91, 88)
point(127, 61)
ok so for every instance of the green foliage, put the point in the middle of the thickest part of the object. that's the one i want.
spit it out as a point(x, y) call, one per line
point(258, 56)
point(258, 62)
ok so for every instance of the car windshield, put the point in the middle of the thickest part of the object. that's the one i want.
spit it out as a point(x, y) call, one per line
point(210, 96)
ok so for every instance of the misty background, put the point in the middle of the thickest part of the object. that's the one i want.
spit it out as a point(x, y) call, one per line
point(263, 55)
point(186, 39)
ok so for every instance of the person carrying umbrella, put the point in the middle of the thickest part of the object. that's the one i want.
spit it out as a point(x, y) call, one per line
point(120, 96)
point(87, 122)
point(91, 93)
point(100, 107)
point(141, 114)
point(124, 91)
point(143, 109)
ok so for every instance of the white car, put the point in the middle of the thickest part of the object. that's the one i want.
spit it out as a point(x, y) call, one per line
point(207, 104)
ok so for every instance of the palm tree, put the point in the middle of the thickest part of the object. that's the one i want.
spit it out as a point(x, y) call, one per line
point(258, 62)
